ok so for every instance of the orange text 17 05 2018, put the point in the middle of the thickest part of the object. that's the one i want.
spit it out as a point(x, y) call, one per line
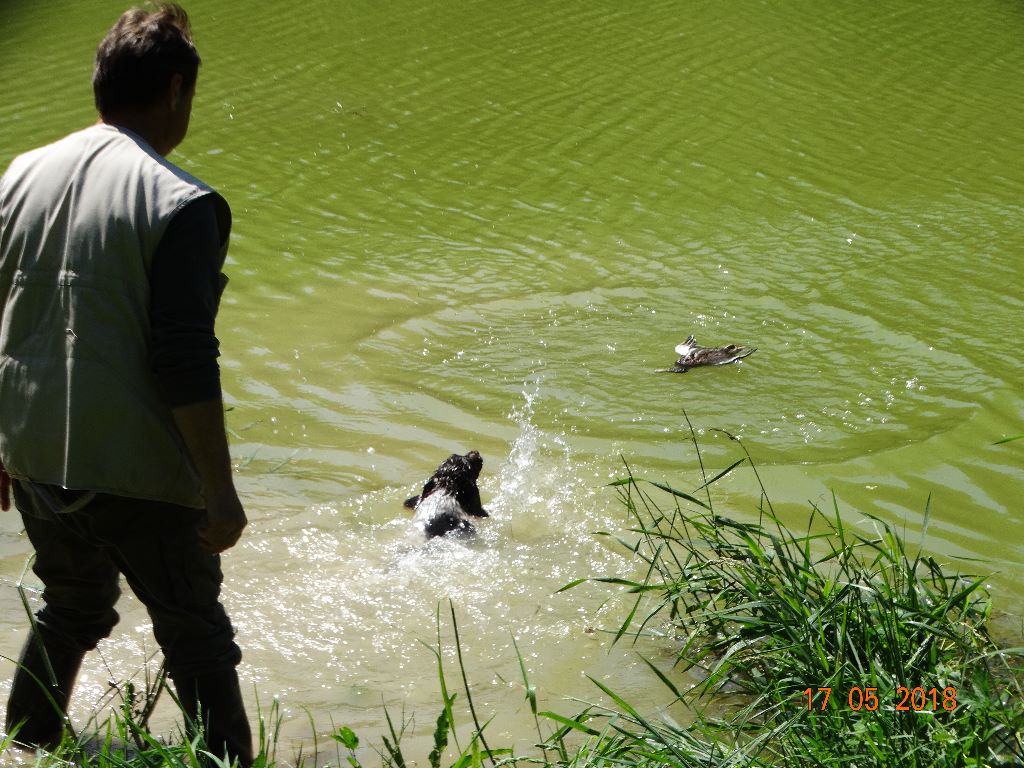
point(918, 699)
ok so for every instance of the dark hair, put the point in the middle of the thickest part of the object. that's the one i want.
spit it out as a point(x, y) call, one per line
point(140, 54)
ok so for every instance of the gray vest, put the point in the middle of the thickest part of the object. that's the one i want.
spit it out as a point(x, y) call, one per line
point(80, 220)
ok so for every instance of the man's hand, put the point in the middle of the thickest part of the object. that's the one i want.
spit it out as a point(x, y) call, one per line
point(202, 426)
point(225, 520)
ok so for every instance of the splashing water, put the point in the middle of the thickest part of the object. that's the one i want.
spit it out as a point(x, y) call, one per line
point(360, 618)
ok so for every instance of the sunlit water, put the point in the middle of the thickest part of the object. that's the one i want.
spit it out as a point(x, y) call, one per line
point(466, 225)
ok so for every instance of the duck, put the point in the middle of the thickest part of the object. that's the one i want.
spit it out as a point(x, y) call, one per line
point(692, 355)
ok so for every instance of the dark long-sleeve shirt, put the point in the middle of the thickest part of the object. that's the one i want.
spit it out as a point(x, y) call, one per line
point(185, 287)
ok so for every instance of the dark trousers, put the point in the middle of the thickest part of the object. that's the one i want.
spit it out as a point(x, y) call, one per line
point(83, 543)
point(80, 554)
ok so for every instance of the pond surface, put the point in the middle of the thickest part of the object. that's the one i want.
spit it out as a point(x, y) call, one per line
point(472, 225)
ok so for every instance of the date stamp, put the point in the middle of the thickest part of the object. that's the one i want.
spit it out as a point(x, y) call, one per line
point(905, 699)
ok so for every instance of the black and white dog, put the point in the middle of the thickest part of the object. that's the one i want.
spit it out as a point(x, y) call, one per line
point(450, 499)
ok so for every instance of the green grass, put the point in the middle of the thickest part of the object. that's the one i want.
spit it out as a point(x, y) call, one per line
point(772, 621)
point(765, 620)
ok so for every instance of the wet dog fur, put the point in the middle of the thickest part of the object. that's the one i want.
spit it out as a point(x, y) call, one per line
point(450, 499)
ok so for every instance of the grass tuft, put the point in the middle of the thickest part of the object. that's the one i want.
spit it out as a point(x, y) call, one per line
point(769, 623)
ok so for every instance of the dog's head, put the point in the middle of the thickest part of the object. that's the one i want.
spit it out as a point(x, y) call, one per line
point(458, 469)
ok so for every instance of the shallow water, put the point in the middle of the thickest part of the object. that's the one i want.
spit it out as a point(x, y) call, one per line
point(469, 226)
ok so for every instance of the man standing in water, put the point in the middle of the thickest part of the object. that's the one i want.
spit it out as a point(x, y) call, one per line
point(111, 419)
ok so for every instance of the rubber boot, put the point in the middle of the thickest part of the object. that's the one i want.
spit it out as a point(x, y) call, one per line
point(213, 703)
point(38, 703)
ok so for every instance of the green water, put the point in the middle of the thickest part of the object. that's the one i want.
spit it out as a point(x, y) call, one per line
point(482, 225)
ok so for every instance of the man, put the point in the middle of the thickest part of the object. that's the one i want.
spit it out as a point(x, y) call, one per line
point(111, 419)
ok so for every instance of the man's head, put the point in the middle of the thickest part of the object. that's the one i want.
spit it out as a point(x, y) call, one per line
point(147, 61)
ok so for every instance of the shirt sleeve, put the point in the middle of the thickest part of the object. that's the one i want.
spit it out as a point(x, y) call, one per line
point(185, 286)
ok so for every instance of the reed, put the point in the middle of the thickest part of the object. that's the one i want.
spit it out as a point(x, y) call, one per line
point(833, 646)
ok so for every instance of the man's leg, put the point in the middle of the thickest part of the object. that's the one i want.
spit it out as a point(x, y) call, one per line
point(156, 547)
point(213, 703)
point(42, 686)
point(80, 589)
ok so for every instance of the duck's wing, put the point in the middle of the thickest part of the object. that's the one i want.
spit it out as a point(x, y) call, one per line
point(719, 355)
point(688, 347)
